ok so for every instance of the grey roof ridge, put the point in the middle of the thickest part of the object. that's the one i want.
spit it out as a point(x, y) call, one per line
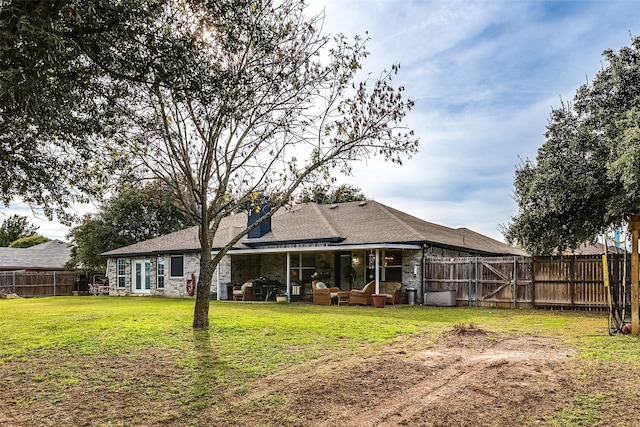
point(324, 219)
point(385, 208)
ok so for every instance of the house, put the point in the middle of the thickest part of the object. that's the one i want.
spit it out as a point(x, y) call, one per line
point(47, 256)
point(596, 248)
point(346, 245)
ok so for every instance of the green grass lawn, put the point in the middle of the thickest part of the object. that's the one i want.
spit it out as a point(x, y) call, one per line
point(47, 345)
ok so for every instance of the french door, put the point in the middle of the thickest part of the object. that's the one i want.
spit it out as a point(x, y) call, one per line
point(141, 280)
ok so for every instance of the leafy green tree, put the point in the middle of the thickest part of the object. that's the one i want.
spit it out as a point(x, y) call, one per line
point(586, 176)
point(15, 227)
point(325, 194)
point(133, 215)
point(62, 63)
point(27, 242)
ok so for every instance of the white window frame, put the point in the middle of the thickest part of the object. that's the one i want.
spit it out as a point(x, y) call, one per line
point(160, 272)
point(121, 273)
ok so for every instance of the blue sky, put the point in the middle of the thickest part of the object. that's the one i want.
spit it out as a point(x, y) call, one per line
point(485, 75)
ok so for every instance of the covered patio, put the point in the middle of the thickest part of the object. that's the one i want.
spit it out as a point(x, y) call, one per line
point(292, 271)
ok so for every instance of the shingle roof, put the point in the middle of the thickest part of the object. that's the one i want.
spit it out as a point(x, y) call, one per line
point(50, 255)
point(353, 223)
point(593, 249)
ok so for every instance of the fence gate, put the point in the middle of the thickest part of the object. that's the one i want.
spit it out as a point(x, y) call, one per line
point(503, 281)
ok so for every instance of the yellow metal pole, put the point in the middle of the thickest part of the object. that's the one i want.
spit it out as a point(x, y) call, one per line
point(607, 283)
point(634, 225)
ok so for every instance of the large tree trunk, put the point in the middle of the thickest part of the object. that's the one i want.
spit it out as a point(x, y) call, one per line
point(201, 311)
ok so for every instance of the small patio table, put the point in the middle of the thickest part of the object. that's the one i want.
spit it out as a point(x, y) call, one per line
point(343, 297)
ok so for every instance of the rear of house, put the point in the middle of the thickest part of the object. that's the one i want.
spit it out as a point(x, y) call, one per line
point(344, 245)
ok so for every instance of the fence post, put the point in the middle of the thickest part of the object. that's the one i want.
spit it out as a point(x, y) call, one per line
point(572, 280)
point(54, 283)
point(14, 283)
point(515, 282)
point(476, 291)
point(469, 283)
point(532, 265)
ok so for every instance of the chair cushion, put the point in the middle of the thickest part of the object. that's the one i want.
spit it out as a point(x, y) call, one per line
point(321, 285)
point(334, 295)
point(246, 285)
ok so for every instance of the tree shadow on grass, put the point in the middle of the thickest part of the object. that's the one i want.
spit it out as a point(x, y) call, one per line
point(204, 363)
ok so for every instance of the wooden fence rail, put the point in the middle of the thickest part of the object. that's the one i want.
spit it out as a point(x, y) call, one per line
point(546, 282)
point(43, 283)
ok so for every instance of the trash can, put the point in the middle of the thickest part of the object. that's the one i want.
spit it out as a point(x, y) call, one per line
point(411, 296)
point(223, 291)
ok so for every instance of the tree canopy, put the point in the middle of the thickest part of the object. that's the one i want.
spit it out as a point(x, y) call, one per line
point(16, 227)
point(132, 215)
point(63, 62)
point(587, 174)
point(27, 242)
point(325, 194)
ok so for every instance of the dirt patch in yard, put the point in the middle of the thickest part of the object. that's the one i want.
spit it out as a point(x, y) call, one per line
point(467, 377)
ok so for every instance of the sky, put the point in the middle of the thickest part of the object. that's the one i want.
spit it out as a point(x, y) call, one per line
point(484, 75)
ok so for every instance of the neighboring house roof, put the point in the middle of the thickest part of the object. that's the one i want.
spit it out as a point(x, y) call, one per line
point(594, 249)
point(344, 224)
point(50, 255)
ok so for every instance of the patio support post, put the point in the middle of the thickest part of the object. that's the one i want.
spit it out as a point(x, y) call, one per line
point(218, 282)
point(288, 274)
point(634, 225)
point(377, 271)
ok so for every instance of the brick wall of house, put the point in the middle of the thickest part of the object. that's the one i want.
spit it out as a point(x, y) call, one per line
point(240, 268)
point(177, 286)
point(244, 267)
point(274, 267)
point(411, 274)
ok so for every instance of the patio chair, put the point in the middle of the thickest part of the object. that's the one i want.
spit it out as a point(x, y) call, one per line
point(364, 296)
point(323, 295)
point(99, 287)
point(244, 292)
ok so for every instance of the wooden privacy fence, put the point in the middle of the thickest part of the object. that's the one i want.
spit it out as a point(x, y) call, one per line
point(42, 283)
point(562, 282)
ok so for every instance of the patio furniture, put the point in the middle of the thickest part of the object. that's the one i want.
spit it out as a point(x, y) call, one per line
point(393, 291)
point(100, 286)
point(98, 289)
point(296, 291)
point(244, 292)
point(322, 295)
point(343, 297)
point(363, 296)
